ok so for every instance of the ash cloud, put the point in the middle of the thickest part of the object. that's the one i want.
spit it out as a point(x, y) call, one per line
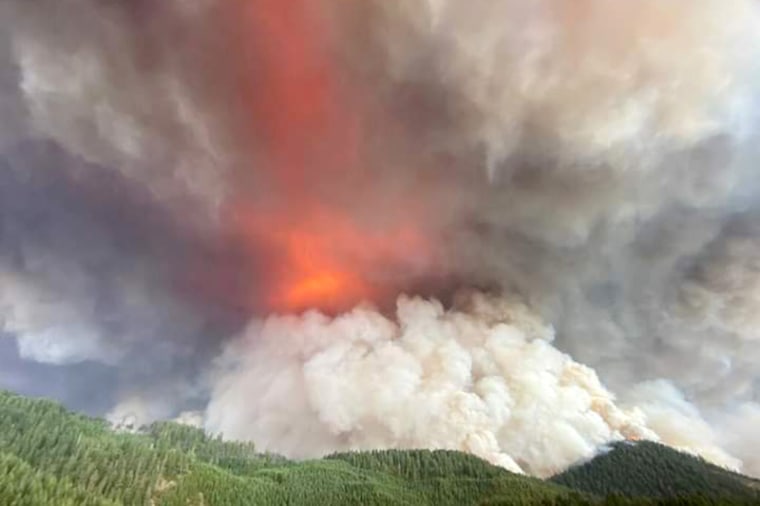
point(614, 147)
point(92, 272)
point(95, 263)
point(595, 160)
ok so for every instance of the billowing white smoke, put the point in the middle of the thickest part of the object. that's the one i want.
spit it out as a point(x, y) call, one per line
point(597, 157)
point(482, 378)
point(739, 435)
point(678, 423)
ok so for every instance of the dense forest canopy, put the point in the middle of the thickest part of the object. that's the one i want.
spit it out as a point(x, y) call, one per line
point(50, 456)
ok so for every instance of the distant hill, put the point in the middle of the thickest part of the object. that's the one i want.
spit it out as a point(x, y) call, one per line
point(647, 469)
point(50, 456)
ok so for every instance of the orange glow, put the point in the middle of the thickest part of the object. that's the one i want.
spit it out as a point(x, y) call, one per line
point(305, 123)
point(301, 109)
point(319, 288)
point(313, 274)
point(325, 260)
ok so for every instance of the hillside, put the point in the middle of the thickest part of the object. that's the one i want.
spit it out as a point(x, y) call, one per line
point(51, 456)
point(647, 469)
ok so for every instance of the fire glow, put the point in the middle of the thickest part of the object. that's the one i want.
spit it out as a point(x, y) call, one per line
point(306, 118)
point(325, 260)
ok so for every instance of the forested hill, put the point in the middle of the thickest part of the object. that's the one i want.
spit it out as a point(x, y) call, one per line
point(649, 469)
point(49, 456)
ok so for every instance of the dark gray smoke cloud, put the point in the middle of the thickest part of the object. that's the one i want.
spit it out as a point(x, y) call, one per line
point(597, 159)
point(87, 387)
point(94, 266)
point(96, 272)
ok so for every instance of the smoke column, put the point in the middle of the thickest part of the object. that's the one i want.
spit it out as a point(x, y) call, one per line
point(521, 230)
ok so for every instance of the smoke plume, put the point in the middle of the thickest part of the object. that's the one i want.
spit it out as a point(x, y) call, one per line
point(267, 211)
point(483, 378)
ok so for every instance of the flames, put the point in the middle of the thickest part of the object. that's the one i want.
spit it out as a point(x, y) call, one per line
point(305, 121)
